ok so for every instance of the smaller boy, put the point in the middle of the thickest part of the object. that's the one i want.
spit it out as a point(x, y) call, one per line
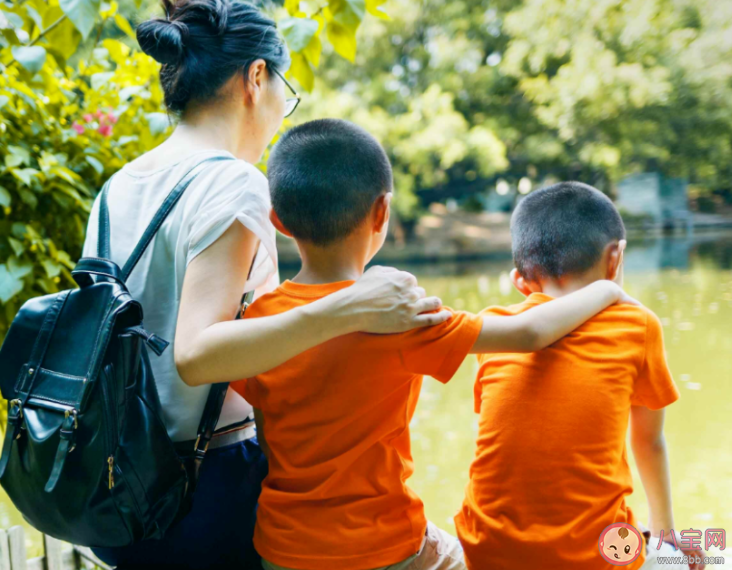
point(550, 472)
point(334, 421)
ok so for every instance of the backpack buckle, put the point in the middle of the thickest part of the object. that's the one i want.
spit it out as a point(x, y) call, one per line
point(19, 403)
point(16, 418)
point(73, 414)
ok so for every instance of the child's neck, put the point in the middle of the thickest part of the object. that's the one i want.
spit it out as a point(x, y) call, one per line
point(562, 287)
point(344, 261)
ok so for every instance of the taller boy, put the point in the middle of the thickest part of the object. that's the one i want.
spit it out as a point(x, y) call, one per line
point(335, 419)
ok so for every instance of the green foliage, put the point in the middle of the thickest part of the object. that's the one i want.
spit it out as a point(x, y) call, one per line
point(63, 131)
point(630, 85)
point(425, 143)
point(588, 89)
point(304, 25)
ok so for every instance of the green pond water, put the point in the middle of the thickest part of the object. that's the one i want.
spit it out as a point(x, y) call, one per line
point(688, 283)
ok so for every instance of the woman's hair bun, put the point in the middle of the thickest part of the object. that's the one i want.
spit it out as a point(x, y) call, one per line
point(203, 43)
point(163, 40)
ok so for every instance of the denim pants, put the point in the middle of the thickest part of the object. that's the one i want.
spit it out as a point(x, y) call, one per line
point(218, 531)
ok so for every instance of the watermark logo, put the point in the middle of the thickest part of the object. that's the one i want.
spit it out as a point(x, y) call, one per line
point(691, 539)
point(620, 544)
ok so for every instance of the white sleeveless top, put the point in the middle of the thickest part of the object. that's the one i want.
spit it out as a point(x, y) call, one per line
point(223, 192)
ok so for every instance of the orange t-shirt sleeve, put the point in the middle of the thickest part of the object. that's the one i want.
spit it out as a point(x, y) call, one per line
point(438, 351)
point(654, 387)
point(247, 389)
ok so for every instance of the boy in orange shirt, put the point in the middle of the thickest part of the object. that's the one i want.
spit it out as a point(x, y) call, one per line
point(334, 421)
point(550, 472)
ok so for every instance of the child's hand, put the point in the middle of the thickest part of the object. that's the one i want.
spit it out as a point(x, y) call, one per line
point(622, 296)
point(385, 300)
point(626, 299)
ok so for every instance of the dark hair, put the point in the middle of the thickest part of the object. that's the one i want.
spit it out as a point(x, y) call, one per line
point(562, 230)
point(324, 177)
point(203, 43)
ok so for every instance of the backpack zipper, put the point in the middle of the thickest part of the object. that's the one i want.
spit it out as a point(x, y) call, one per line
point(110, 421)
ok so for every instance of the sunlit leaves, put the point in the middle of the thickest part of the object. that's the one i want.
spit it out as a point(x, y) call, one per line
point(64, 38)
point(339, 18)
point(301, 70)
point(343, 40)
point(30, 57)
point(124, 25)
point(83, 13)
point(10, 285)
point(298, 32)
point(376, 8)
point(343, 18)
point(5, 197)
point(313, 50)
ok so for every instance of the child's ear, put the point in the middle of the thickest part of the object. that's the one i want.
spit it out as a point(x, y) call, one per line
point(277, 223)
point(382, 211)
point(520, 283)
point(615, 259)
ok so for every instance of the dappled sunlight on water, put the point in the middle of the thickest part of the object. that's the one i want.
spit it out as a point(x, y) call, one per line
point(689, 286)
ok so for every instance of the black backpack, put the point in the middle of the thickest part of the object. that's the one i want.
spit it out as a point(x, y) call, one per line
point(86, 457)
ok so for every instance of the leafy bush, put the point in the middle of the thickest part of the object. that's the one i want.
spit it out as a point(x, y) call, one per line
point(64, 130)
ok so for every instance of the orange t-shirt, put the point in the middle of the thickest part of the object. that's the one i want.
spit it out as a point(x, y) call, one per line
point(336, 420)
point(550, 470)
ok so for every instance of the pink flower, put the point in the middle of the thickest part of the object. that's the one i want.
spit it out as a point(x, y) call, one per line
point(111, 118)
point(78, 127)
point(99, 114)
point(105, 130)
point(88, 118)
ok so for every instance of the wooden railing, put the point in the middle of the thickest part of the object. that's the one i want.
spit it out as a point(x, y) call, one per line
point(57, 555)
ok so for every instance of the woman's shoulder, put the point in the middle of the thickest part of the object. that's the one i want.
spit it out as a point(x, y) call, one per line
point(224, 168)
point(235, 175)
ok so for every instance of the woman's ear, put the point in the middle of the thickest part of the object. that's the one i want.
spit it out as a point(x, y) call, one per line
point(381, 212)
point(520, 283)
point(277, 223)
point(254, 81)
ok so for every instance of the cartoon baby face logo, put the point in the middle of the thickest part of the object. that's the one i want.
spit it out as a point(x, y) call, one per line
point(620, 544)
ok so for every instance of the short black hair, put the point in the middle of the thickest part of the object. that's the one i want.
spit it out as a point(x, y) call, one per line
point(562, 230)
point(324, 177)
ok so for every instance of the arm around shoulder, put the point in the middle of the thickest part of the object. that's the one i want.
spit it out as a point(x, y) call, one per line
point(210, 346)
point(541, 326)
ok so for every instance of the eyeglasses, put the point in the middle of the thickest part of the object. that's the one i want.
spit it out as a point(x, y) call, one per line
point(291, 103)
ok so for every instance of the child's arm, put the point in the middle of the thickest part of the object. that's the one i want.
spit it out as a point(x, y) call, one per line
point(541, 326)
point(651, 457)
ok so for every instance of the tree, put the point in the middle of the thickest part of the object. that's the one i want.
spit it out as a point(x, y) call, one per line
point(573, 89)
point(632, 85)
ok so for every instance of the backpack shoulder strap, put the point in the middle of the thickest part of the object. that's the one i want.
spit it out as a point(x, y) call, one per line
point(103, 233)
point(163, 212)
point(214, 404)
point(103, 240)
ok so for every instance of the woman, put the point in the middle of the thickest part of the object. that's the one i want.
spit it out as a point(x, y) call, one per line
point(222, 75)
